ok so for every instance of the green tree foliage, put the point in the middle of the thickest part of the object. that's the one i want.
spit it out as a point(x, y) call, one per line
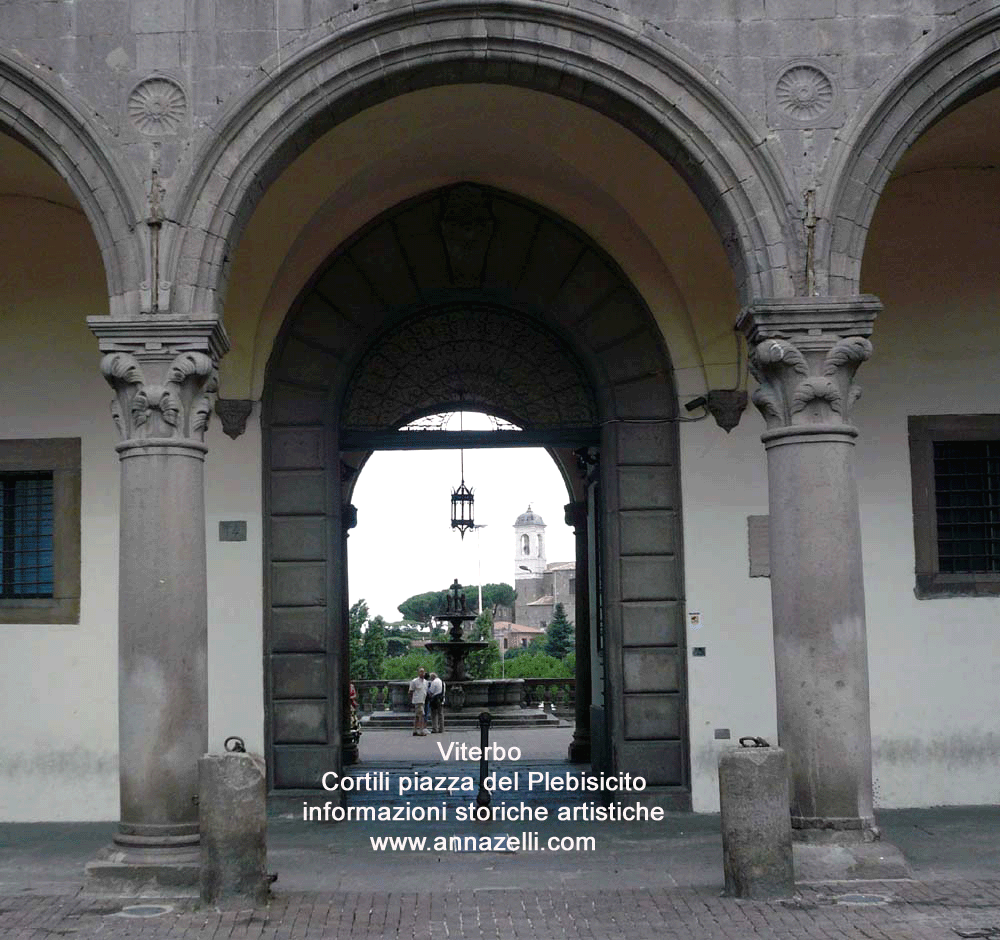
point(421, 607)
point(535, 645)
point(404, 668)
point(356, 620)
point(559, 634)
point(537, 666)
point(396, 646)
point(495, 596)
point(374, 648)
point(484, 664)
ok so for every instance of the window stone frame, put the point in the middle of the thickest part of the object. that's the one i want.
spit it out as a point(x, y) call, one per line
point(924, 431)
point(60, 456)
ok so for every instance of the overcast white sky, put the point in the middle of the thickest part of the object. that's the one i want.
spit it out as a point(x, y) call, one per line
point(404, 544)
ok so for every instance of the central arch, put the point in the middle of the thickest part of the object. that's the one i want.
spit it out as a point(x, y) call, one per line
point(509, 309)
point(646, 82)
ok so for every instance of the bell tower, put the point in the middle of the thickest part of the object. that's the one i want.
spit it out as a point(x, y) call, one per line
point(529, 556)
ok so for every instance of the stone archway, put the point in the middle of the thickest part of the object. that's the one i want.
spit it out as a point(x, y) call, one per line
point(964, 64)
point(645, 81)
point(42, 117)
point(456, 268)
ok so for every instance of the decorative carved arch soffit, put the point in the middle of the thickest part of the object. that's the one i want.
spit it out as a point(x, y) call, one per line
point(471, 297)
point(472, 356)
point(652, 88)
point(952, 71)
point(45, 119)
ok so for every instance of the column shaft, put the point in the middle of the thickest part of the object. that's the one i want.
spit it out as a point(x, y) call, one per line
point(579, 749)
point(349, 749)
point(820, 647)
point(163, 640)
point(804, 353)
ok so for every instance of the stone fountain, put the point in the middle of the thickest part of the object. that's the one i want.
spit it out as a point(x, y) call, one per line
point(464, 698)
point(456, 648)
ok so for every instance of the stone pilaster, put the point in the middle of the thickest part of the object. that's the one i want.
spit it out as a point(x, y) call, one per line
point(164, 374)
point(349, 750)
point(579, 748)
point(804, 354)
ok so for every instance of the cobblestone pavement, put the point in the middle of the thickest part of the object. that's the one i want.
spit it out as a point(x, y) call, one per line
point(643, 881)
point(901, 911)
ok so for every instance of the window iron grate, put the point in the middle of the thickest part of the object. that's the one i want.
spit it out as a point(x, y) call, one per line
point(967, 494)
point(26, 534)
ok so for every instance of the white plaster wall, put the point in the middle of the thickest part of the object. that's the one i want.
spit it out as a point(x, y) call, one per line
point(935, 664)
point(58, 691)
point(724, 480)
point(58, 683)
point(235, 588)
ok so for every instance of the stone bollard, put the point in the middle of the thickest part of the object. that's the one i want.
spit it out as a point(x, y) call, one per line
point(233, 815)
point(756, 822)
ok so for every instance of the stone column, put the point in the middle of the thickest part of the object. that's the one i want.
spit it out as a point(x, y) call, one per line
point(351, 753)
point(579, 748)
point(165, 376)
point(804, 353)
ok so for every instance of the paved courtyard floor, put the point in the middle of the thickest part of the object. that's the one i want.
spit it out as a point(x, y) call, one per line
point(652, 880)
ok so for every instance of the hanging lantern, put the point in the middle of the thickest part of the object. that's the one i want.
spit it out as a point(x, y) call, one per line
point(462, 509)
point(463, 503)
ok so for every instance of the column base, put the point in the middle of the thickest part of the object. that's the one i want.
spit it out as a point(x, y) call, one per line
point(350, 754)
point(579, 749)
point(150, 872)
point(846, 855)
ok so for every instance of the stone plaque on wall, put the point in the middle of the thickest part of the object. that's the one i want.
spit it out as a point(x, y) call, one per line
point(758, 534)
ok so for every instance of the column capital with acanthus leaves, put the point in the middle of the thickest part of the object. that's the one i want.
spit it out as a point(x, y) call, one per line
point(165, 375)
point(804, 353)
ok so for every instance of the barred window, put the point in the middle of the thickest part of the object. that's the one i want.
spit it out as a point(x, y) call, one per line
point(967, 497)
point(26, 531)
point(955, 467)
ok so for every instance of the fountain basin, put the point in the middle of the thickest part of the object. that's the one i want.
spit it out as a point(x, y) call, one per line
point(503, 698)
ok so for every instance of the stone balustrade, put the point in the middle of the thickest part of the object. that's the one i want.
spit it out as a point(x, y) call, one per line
point(557, 696)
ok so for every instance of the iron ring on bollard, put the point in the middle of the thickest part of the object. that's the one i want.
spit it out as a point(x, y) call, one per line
point(239, 747)
point(754, 741)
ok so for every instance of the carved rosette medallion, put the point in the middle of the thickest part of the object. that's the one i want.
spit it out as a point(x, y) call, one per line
point(804, 358)
point(804, 92)
point(176, 407)
point(157, 106)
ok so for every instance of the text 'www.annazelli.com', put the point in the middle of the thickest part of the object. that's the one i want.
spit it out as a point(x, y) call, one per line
point(525, 842)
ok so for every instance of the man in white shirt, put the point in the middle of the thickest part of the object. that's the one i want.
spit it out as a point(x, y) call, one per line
point(418, 694)
point(435, 691)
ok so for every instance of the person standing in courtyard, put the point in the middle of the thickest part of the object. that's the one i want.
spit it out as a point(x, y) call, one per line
point(435, 695)
point(418, 695)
